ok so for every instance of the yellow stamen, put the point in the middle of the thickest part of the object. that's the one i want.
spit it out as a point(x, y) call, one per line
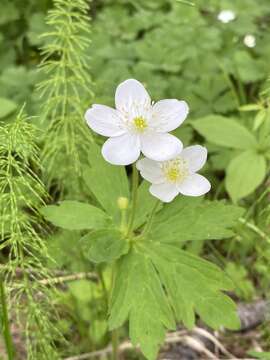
point(140, 123)
point(173, 174)
point(175, 170)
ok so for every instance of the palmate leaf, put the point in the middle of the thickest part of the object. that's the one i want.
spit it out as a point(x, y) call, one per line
point(194, 219)
point(104, 245)
point(139, 296)
point(146, 201)
point(105, 181)
point(157, 283)
point(75, 215)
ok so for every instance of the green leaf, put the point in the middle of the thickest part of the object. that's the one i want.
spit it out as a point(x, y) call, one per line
point(6, 107)
point(244, 174)
point(104, 245)
point(139, 296)
point(156, 282)
point(248, 69)
point(193, 284)
point(193, 219)
point(81, 290)
point(225, 132)
point(260, 355)
point(147, 202)
point(107, 182)
point(74, 215)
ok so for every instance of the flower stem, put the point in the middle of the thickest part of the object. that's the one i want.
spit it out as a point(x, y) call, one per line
point(135, 182)
point(6, 329)
point(151, 218)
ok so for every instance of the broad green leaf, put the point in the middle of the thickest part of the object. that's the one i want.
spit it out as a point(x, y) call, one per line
point(6, 107)
point(225, 132)
point(193, 219)
point(107, 182)
point(138, 296)
point(156, 282)
point(81, 290)
point(75, 215)
point(104, 245)
point(146, 203)
point(194, 285)
point(248, 68)
point(244, 174)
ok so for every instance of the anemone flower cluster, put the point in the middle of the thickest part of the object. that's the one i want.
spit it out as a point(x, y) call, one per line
point(138, 125)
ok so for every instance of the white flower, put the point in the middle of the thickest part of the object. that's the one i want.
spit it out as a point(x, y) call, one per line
point(250, 41)
point(178, 175)
point(226, 16)
point(137, 125)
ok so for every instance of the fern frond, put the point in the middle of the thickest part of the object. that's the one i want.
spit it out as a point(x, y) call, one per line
point(21, 193)
point(66, 91)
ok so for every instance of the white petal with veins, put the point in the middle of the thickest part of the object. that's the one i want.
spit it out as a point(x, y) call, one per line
point(130, 95)
point(194, 185)
point(168, 114)
point(150, 170)
point(164, 192)
point(195, 157)
point(121, 150)
point(104, 120)
point(160, 146)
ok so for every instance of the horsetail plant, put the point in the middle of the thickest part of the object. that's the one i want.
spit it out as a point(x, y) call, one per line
point(21, 193)
point(65, 91)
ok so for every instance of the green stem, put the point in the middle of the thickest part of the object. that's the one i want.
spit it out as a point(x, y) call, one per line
point(231, 85)
point(135, 182)
point(103, 286)
point(254, 228)
point(115, 342)
point(151, 218)
point(123, 224)
point(6, 329)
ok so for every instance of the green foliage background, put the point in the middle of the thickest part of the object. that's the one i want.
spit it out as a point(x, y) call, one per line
point(177, 51)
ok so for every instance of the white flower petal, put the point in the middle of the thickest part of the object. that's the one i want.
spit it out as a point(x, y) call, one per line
point(150, 170)
point(159, 146)
point(121, 150)
point(195, 156)
point(165, 192)
point(168, 114)
point(194, 185)
point(131, 94)
point(104, 120)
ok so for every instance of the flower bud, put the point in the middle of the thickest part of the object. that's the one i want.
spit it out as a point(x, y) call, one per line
point(122, 203)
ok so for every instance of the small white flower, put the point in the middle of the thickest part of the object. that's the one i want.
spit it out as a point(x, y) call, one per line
point(137, 125)
point(250, 41)
point(226, 16)
point(169, 178)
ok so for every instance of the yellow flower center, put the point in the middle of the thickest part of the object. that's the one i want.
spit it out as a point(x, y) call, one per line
point(173, 174)
point(175, 170)
point(140, 123)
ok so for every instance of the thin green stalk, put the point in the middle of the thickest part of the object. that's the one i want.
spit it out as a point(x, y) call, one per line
point(135, 183)
point(6, 329)
point(254, 228)
point(231, 85)
point(103, 286)
point(123, 224)
point(115, 343)
point(150, 218)
point(114, 333)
